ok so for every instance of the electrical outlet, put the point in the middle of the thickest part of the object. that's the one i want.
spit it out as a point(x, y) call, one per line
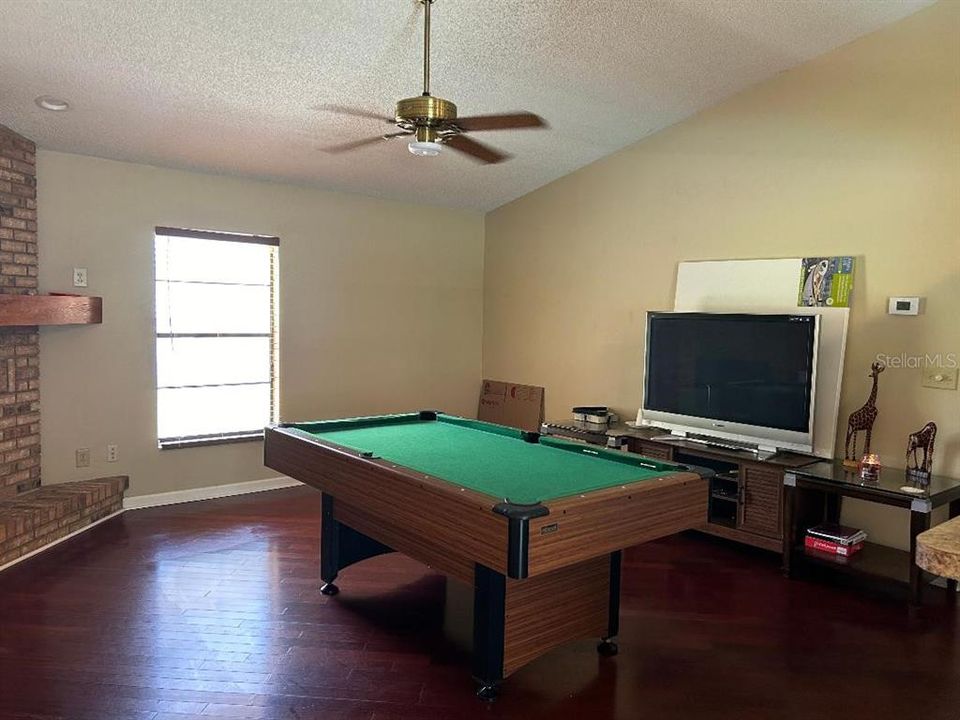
point(939, 378)
point(112, 453)
point(79, 277)
point(83, 457)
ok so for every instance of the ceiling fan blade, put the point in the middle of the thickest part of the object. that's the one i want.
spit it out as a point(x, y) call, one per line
point(354, 112)
point(479, 151)
point(509, 121)
point(346, 147)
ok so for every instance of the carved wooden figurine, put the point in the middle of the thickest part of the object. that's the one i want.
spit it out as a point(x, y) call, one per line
point(922, 439)
point(862, 421)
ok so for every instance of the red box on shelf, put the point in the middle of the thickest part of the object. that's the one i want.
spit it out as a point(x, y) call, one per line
point(831, 547)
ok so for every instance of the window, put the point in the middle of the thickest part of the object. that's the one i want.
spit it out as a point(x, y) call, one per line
point(216, 305)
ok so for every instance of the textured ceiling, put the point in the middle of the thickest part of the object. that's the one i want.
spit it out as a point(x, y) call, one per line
point(233, 86)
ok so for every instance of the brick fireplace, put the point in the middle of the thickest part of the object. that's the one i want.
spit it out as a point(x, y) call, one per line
point(33, 517)
point(19, 346)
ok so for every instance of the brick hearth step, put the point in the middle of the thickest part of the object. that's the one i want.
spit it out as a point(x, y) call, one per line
point(37, 518)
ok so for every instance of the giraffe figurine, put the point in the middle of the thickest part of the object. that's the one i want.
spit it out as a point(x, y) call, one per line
point(922, 439)
point(862, 421)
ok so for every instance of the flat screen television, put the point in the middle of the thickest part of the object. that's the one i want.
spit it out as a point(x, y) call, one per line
point(750, 379)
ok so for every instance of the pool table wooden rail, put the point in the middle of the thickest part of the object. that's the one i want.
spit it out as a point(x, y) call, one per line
point(428, 519)
point(604, 521)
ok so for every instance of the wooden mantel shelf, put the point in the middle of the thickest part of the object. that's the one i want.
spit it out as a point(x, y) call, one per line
point(50, 310)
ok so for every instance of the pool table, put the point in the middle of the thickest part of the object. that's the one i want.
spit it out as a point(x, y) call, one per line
point(535, 525)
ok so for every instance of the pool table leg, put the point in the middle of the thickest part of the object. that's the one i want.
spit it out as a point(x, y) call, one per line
point(489, 606)
point(608, 646)
point(341, 546)
point(329, 547)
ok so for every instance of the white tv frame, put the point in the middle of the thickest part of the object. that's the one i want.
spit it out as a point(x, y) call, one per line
point(765, 440)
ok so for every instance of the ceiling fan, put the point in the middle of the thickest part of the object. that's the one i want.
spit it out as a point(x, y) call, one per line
point(432, 122)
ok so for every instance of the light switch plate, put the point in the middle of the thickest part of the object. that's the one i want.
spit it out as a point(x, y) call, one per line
point(79, 277)
point(940, 378)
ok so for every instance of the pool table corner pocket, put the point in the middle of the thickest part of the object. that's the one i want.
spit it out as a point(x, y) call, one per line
point(518, 534)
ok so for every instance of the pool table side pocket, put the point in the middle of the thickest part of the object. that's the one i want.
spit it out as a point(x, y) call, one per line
point(598, 523)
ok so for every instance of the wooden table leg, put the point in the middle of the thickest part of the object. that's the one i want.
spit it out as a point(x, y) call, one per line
point(789, 528)
point(919, 522)
point(952, 584)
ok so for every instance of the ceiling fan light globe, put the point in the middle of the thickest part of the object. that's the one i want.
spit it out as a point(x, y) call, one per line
point(425, 149)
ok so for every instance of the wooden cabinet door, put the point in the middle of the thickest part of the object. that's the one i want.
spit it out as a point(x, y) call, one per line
point(653, 450)
point(657, 451)
point(761, 507)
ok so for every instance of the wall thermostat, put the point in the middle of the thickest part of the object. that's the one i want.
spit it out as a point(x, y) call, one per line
point(904, 306)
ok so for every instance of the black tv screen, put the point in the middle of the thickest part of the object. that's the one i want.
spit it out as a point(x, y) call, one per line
point(750, 369)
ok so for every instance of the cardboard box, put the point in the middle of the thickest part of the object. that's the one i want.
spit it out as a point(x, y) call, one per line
point(512, 404)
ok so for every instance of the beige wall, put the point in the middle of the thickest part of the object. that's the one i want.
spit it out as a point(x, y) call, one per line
point(856, 152)
point(380, 310)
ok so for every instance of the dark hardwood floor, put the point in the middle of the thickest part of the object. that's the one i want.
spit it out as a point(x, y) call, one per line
point(211, 609)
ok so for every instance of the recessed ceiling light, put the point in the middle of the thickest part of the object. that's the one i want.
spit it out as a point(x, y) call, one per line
point(48, 102)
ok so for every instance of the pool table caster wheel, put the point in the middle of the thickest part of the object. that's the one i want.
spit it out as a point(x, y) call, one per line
point(329, 589)
point(607, 648)
point(488, 692)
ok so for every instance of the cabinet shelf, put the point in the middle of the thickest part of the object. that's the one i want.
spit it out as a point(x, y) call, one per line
point(32, 310)
point(873, 560)
point(721, 496)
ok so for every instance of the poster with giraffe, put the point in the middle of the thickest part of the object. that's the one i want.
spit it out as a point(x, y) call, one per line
point(825, 281)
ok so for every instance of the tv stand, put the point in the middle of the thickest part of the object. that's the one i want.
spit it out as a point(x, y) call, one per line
point(746, 495)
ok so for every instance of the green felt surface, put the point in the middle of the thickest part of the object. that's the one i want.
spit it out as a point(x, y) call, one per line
point(487, 458)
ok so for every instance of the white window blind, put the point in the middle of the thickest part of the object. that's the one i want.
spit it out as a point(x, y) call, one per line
point(216, 312)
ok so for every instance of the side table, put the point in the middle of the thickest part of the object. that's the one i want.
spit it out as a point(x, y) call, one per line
point(814, 494)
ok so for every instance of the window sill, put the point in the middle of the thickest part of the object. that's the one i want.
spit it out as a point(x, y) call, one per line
point(204, 441)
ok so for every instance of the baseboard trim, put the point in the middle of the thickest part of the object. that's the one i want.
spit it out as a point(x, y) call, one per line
point(212, 492)
point(59, 540)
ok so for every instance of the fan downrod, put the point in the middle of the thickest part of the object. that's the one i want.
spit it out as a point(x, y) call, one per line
point(425, 110)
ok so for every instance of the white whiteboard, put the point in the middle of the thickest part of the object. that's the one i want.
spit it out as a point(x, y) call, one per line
point(772, 286)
